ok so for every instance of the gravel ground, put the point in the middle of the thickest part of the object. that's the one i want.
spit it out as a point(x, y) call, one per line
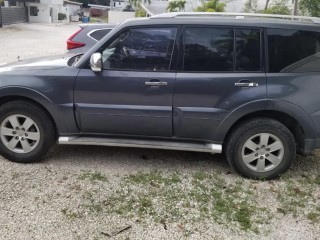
point(84, 192)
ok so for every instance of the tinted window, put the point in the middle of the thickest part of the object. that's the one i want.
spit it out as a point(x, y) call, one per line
point(208, 49)
point(99, 34)
point(141, 49)
point(248, 50)
point(293, 51)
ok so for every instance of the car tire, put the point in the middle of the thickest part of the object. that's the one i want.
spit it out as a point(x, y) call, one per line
point(26, 132)
point(261, 148)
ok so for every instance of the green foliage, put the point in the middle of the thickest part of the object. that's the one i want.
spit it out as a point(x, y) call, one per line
point(95, 176)
point(279, 7)
point(211, 6)
point(176, 6)
point(311, 6)
point(140, 12)
point(250, 6)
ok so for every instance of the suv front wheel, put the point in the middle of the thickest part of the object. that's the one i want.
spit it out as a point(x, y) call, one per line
point(26, 132)
point(261, 148)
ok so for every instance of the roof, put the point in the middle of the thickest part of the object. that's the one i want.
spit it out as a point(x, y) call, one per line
point(201, 19)
point(72, 3)
point(238, 16)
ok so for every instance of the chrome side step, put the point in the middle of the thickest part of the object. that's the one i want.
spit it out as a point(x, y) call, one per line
point(113, 142)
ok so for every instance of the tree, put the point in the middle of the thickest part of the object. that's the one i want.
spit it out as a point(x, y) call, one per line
point(267, 4)
point(211, 6)
point(271, 7)
point(312, 6)
point(250, 6)
point(295, 8)
point(279, 7)
point(176, 5)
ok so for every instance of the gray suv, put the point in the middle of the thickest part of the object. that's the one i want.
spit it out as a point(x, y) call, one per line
point(243, 85)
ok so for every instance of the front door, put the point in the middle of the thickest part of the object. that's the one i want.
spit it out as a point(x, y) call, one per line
point(133, 94)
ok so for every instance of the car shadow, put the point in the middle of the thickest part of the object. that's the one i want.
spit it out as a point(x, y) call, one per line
point(135, 159)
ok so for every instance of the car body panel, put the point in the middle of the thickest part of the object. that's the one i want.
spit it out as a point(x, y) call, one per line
point(297, 95)
point(119, 102)
point(203, 100)
point(47, 81)
point(194, 106)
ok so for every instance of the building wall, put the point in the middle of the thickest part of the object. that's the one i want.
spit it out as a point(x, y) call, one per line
point(118, 17)
point(73, 9)
point(48, 13)
point(52, 2)
point(11, 15)
point(43, 13)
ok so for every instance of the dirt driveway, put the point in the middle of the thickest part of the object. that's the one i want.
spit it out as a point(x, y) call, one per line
point(32, 40)
point(84, 192)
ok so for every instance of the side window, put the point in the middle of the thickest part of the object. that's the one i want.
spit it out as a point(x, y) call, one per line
point(293, 51)
point(148, 49)
point(248, 50)
point(99, 34)
point(208, 49)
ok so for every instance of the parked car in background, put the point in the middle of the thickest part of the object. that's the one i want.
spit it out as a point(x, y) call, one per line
point(88, 35)
point(246, 85)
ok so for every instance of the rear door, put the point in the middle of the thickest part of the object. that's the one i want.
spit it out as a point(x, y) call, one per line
point(221, 70)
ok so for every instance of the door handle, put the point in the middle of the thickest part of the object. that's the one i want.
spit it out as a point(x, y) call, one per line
point(246, 84)
point(156, 83)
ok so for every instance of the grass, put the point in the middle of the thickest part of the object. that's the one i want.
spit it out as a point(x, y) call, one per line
point(297, 196)
point(164, 199)
point(154, 178)
point(314, 216)
point(70, 214)
point(187, 200)
point(93, 20)
point(93, 176)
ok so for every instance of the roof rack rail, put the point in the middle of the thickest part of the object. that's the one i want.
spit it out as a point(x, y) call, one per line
point(236, 15)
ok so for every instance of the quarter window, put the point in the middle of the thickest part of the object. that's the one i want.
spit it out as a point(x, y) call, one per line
point(293, 51)
point(208, 49)
point(148, 49)
point(99, 34)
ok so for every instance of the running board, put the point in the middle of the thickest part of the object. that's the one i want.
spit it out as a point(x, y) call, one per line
point(113, 142)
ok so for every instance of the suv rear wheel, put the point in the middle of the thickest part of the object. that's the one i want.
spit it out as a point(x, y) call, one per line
point(261, 148)
point(26, 132)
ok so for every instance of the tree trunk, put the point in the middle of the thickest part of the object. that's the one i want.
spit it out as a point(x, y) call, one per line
point(295, 11)
point(267, 4)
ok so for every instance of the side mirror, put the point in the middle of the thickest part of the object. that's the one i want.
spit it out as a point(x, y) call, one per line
point(96, 62)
